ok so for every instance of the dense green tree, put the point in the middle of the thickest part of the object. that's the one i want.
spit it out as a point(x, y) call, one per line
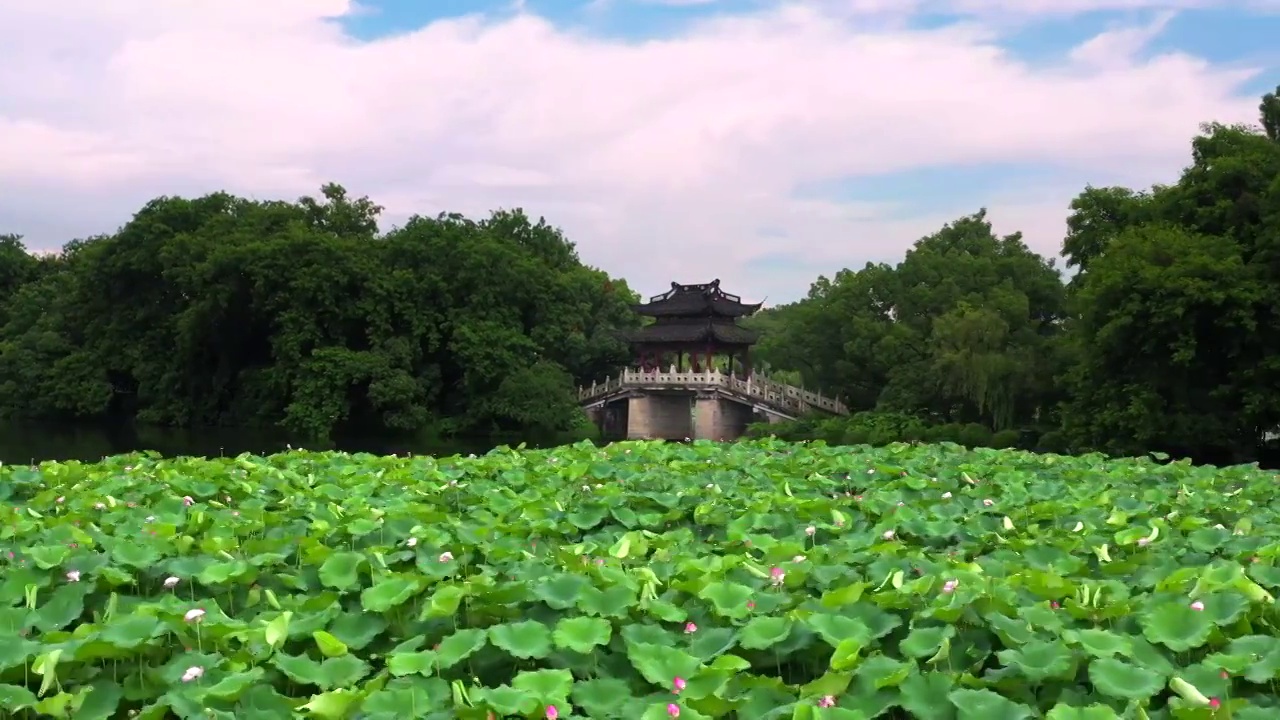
point(1166, 338)
point(224, 311)
point(953, 333)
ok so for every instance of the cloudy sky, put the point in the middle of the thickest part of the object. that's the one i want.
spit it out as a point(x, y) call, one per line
point(757, 141)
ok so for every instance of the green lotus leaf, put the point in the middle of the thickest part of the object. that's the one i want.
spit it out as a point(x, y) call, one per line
point(506, 700)
point(987, 705)
point(412, 663)
point(130, 631)
point(406, 698)
point(1119, 679)
point(329, 645)
point(602, 697)
point(231, 687)
point(14, 698)
point(332, 705)
point(333, 673)
point(459, 646)
point(660, 664)
point(847, 654)
point(925, 641)
point(587, 518)
point(711, 643)
point(614, 601)
point(1091, 712)
point(64, 606)
point(562, 590)
point(728, 599)
point(764, 632)
point(1225, 608)
point(881, 671)
point(100, 703)
point(48, 556)
point(835, 629)
point(581, 634)
point(927, 696)
point(134, 555)
point(444, 602)
point(356, 629)
point(221, 572)
point(16, 651)
point(550, 687)
point(1176, 626)
point(1101, 643)
point(388, 593)
point(341, 570)
point(1041, 660)
point(525, 639)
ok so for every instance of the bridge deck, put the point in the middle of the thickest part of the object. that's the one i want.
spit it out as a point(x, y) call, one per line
point(776, 397)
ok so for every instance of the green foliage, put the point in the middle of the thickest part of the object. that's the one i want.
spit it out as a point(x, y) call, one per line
point(225, 311)
point(746, 580)
point(1166, 338)
point(878, 429)
point(955, 332)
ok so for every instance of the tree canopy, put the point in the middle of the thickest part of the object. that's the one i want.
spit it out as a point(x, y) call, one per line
point(225, 311)
point(1165, 338)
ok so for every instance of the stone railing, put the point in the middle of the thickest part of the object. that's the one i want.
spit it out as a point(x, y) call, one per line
point(780, 396)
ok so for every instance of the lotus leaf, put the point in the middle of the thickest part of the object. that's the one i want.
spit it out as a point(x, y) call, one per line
point(638, 579)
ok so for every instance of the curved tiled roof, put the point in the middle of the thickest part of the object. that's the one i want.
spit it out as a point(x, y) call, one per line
point(702, 300)
point(694, 331)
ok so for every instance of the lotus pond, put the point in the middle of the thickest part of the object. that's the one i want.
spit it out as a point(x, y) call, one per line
point(642, 580)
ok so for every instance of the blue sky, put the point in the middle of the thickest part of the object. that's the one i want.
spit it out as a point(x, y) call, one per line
point(803, 137)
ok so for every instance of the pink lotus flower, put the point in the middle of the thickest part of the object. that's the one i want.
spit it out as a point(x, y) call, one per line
point(1214, 703)
point(988, 502)
point(690, 628)
point(673, 710)
point(1197, 606)
point(950, 586)
point(677, 685)
point(827, 701)
point(446, 556)
point(188, 500)
point(73, 575)
point(552, 712)
point(777, 575)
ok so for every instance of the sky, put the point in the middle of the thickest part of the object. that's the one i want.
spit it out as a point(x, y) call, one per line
point(761, 142)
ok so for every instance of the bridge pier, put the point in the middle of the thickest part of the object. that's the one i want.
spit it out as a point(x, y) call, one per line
point(718, 418)
point(659, 416)
point(706, 405)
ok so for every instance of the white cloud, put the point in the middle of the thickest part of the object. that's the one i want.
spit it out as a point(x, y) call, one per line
point(665, 159)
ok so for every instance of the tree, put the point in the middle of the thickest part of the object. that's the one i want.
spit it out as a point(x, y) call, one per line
point(224, 311)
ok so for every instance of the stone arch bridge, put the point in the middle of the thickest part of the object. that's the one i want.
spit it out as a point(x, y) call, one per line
point(702, 405)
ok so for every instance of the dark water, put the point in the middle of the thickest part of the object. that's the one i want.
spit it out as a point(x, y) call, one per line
point(29, 442)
